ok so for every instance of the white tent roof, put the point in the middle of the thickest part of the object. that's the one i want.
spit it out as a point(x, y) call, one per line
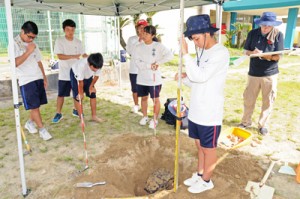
point(106, 7)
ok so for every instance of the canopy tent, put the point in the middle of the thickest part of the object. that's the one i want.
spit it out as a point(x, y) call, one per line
point(93, 7)
point(106, 7)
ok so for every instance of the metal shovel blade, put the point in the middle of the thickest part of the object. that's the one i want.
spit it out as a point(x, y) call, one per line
point(89, 184)
point(257, 192)
point(286, 169)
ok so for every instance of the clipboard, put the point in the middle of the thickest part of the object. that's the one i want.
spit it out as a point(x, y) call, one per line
point(270, 53)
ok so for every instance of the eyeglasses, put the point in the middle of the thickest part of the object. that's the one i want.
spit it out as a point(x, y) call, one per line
point(30, 37)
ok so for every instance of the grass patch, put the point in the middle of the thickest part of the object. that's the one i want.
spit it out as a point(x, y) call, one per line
point(2, 144)
point(64, 159)
point(43, 149)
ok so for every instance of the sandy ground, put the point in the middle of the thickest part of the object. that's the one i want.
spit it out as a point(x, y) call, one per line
point(125, 161)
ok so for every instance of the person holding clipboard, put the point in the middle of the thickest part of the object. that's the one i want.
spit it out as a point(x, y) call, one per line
point(263, 70)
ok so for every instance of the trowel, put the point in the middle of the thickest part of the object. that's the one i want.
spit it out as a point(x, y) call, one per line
point(286, 169)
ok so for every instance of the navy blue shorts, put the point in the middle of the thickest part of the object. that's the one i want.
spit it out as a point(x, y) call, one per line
point(132, 78)
point(208, 135)
point(64, 88)
point(33, 94)
point(145, 90)
point(86, 86)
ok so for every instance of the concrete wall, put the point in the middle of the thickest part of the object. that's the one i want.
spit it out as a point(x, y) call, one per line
point(109, 76)
point(6, 86)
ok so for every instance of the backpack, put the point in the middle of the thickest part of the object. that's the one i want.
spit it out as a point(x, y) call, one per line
point(167, 115)
point(171, 118)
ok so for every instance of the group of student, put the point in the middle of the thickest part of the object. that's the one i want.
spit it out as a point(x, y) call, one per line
point(78, 73)
point(205, 74)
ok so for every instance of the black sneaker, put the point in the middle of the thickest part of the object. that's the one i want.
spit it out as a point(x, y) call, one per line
point(57, 118)
point(75, 113)
point(263, 131)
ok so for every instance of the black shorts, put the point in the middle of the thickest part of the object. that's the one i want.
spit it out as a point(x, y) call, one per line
point(145, 90)
point(132, 78)
point(86, 86)
point(208, 135)
point(64, 88)
point(33, 94)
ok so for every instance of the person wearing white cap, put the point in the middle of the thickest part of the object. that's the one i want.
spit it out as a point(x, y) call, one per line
point(263, 71)
point(206, 75)
point(133, 70)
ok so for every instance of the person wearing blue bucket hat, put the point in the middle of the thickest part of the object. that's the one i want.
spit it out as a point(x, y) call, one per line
point(267, 19)
point(263, 71)
point(206, 76)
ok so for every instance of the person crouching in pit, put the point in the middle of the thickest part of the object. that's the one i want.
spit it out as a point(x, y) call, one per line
point(84, 75)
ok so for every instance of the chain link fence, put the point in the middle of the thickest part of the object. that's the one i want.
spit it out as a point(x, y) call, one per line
point(98, 33)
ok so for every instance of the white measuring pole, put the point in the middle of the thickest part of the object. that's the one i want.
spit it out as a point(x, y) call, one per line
point(176, 165)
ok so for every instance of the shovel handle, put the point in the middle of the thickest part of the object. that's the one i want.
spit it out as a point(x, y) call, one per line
point(263, 181)
point(99, 183)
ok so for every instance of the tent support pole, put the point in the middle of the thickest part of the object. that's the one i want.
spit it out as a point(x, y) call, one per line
point(219, 10)
point(25, 191)
point(50, 34)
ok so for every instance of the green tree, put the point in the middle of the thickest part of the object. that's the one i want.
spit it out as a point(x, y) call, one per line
point(124, 21)
point(229, 35)
point(241, 30)
point(149, 19)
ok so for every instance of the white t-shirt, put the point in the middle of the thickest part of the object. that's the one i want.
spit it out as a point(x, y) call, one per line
point(82, 70)
point(207, 83)
point(144, 55)
point(131, 45)
point(66, 47)
point(29, 70)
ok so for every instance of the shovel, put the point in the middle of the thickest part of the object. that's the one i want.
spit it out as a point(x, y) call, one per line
point(286, 169)
point(89, 184)
point(259, 190)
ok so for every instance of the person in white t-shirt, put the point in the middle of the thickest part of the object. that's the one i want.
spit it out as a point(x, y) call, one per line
point(133, 70)
point(206, 75)
point(68, 49)
point(32, 78)
point(84, 75)
point(148, 56)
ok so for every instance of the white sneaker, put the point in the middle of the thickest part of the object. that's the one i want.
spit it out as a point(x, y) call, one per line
point(135, 109)
point(144, 121)
point(151, 124)
point(29, 125)
point(45, 134)
point(201, 186)
point(189, 182)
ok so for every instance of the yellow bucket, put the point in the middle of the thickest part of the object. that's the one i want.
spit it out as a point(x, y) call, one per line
point(234, 137)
